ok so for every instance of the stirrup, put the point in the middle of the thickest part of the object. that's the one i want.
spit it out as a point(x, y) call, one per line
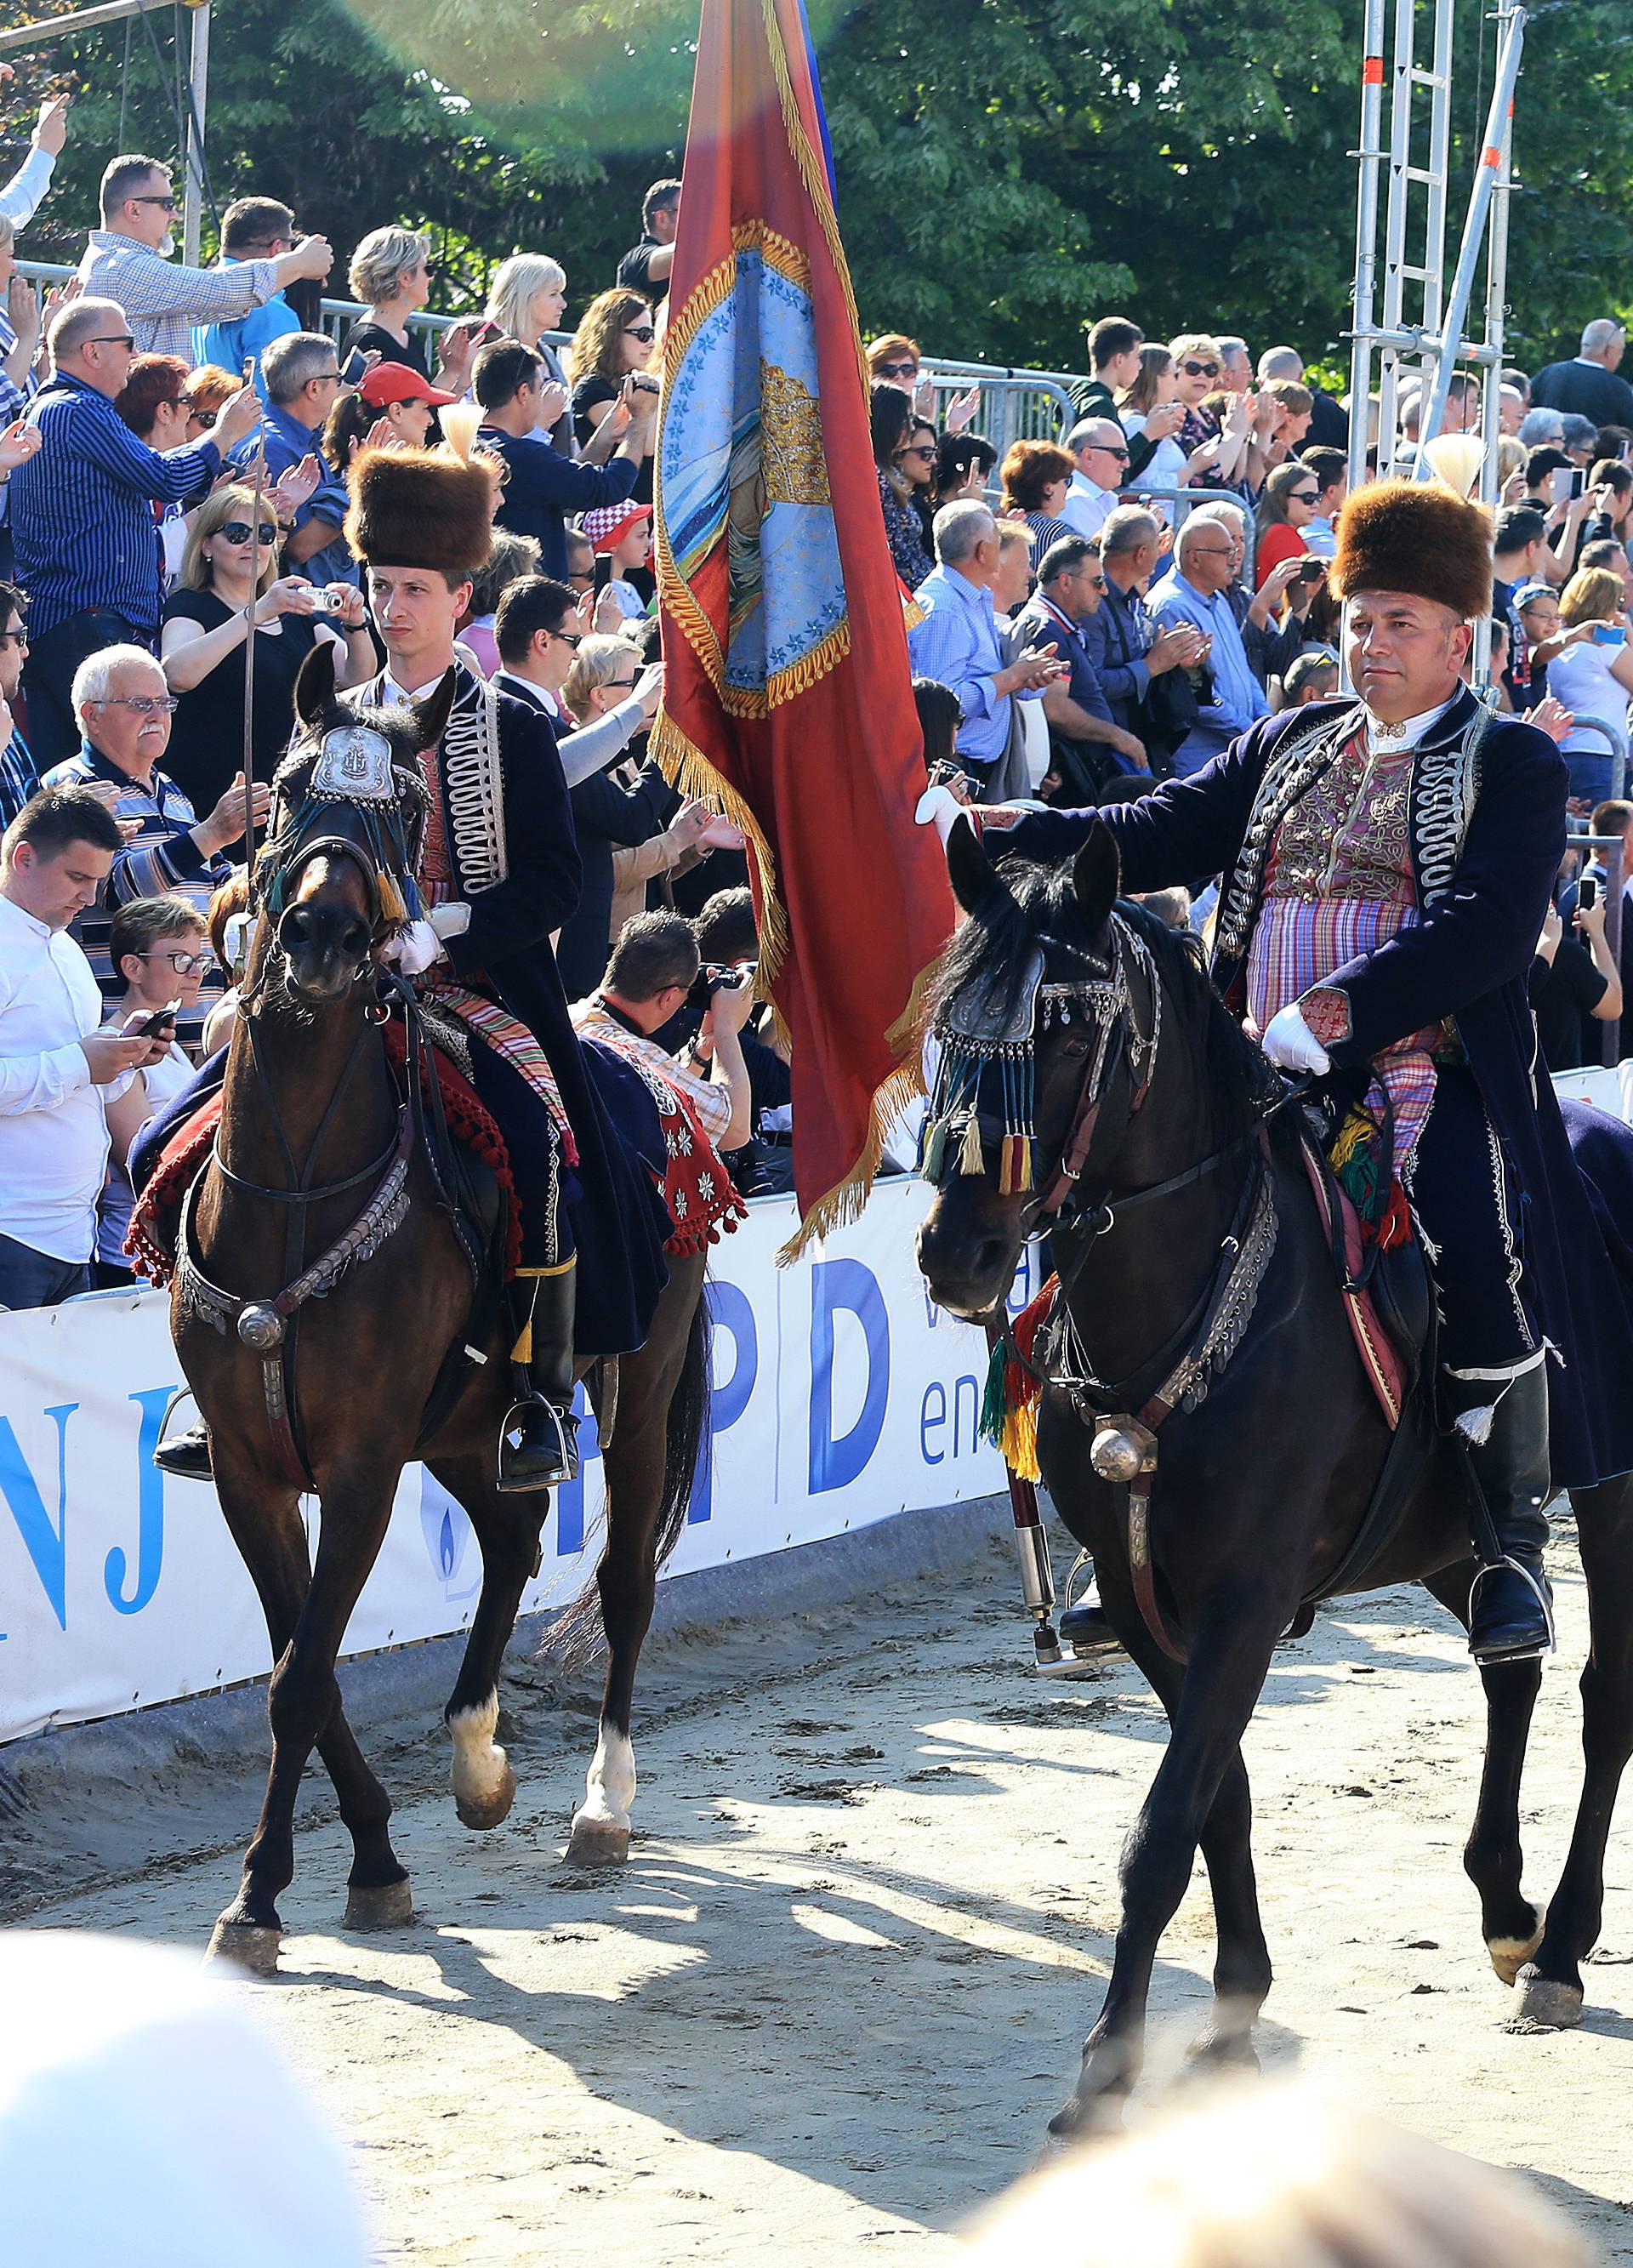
point(524, 1465)
point(185, 1456)
point(1544, 1598)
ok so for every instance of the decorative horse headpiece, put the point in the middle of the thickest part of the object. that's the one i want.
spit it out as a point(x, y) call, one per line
point(988, 1026)
point(367, 767)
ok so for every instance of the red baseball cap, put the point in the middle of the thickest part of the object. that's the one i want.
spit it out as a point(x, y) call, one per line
point(394, 382)
point(608, 524)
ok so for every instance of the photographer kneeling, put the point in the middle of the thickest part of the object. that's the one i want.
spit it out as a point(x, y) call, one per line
point(654, 965)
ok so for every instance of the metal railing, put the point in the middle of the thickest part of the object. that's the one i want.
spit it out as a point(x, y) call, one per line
point(1616, 737)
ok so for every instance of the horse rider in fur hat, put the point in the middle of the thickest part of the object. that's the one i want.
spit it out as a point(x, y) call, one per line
point(499, 873)
point(1386, 860)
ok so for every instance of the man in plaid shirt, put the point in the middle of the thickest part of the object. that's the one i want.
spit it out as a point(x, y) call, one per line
point(129, 260)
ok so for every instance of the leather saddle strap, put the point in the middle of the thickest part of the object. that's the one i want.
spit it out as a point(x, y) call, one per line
point(1137, 1516)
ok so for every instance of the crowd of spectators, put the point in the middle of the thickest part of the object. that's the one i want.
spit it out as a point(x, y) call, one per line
point(1088, 613)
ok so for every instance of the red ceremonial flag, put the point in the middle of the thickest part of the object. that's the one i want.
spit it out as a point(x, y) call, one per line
point(788, 693)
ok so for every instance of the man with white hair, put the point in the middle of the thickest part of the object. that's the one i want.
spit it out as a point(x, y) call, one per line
point(124, 707)
point(1235, 364)
point(1589, 384)
point(957, 641)
point(1197, 592)
point(1102, 451)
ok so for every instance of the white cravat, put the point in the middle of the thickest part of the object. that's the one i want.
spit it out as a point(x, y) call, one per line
point(1390, 739)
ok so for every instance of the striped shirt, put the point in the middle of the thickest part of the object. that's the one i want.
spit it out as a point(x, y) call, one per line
point(164, 299)
point(82, 510)
point(19, 778)
point(163, 856)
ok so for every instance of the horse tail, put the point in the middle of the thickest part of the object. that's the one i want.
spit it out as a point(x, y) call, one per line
point(687, 1441)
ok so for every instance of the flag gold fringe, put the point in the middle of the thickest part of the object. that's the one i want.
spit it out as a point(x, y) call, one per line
point(686, 767)
point(814, 174)
point(844, 1202)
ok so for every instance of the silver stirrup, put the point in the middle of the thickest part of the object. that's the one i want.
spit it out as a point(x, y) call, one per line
point(1540, 1591)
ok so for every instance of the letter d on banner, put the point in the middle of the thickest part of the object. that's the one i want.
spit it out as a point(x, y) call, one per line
point(837, 1285)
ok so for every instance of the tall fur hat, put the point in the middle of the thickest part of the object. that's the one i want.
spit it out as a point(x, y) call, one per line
point(421, 508)
point(1415, 537)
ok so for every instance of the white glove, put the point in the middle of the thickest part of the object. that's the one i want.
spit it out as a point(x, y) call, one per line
point(450, 920)
point(415, 948)
point(938, 807)
point(1288, 1040)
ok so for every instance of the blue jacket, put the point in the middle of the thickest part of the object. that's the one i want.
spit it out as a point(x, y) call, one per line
point(1486, 826)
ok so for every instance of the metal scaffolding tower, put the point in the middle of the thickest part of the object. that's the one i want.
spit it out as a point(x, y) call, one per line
point(1419, 327)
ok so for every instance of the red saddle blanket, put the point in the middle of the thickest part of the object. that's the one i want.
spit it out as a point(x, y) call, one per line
point(700, 1194)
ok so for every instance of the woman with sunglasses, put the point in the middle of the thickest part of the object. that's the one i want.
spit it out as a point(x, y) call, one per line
point(202, 643)
point(891, 420)
point(893, 360)
point(1215, 437)
point(1285, 509)
point(613, 342)
point(392, 273)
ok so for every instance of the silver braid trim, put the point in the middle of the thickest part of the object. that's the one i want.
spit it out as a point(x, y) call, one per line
point(475, 786)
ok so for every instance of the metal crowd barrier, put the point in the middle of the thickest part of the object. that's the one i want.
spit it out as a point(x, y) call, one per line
point(1617, 736)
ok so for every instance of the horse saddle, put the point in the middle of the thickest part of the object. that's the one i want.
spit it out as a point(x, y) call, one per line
point(1386, 1293)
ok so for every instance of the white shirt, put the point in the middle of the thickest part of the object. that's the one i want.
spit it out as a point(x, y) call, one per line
point(1087, 508)
point(1387, 740)
point(53, 1133)
point(20, 198)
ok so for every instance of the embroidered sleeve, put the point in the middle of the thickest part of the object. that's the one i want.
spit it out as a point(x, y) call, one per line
point(1326, 1009)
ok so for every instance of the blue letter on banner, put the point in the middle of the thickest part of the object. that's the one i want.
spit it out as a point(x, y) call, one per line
point(835, 1285)
point(48, 1546)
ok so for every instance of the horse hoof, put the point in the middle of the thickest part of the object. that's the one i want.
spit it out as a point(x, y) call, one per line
point(385, 1905)
point(246, 1944)
point(484, 1811)
point(597, 1842)
point(1542, 2004)
point(1510, 1954)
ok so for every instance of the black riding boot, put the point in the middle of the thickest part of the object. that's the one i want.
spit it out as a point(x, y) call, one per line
point(186, 1456)
point(1087, 1626)
point(1511, 1605)
point(539, 1440)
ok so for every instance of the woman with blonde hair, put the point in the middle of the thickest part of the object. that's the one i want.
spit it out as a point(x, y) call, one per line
point(391, 272)
point(613, 342)
point(527, 297)
point(202, 643)
point(1592, 675)
point(628, 817)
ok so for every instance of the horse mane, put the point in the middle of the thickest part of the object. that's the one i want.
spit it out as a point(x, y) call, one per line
point(1039, 908)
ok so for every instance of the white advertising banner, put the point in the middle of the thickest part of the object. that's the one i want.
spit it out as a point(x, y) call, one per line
point(841, 1397)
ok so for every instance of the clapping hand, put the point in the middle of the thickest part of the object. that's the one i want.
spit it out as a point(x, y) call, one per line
point(295, 487)
point(17, 444)
point(383, 435)
point(961, 410)
point(1551, 716)
point(553, 398)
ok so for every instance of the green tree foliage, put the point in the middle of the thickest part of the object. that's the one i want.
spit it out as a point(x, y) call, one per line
point(1006, 168)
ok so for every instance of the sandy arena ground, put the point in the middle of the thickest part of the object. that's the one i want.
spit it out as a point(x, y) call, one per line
point(829, 2006)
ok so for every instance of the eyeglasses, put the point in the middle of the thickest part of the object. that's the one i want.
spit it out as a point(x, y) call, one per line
point(18, 638)
point(112, 339)
point(645, 332)
point(585, 576)
point(620, 684)
point(205, 417)
point(919, 449)
point(1100, 450)
point(185, 964)
point(897, 370)
point(169, 203)
point(145, 704)
point(574, 639)
point(1212, 551)
point(1199, 369)
point(325, 378)
point(240, 531)
point(1301, 496)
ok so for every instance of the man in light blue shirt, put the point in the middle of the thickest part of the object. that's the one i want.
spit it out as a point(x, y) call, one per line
point(1196, 592)
point(303, 380)
point(957, 642)
point(252, 228)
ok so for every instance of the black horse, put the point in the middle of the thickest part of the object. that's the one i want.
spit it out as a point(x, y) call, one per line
point(316, 1330)
point(1263, 1484)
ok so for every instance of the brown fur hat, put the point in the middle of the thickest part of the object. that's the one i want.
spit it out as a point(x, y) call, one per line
point(420, 508)
point(1415, 537)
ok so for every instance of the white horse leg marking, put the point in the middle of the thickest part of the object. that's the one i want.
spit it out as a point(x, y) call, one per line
point(601, 1826)
point(484, 1783)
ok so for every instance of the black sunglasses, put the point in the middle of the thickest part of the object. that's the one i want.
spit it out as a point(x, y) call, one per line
point(205, 417)
point(112, 339)
point(18, 638)
point(1200, 369)
point(898, 369)
point(645, 332)
point(169, 203)
point(238, 531)
point(1301, 496)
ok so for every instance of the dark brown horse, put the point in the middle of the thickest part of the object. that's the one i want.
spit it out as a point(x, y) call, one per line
point(311, 1104)
point(1264, 1473)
